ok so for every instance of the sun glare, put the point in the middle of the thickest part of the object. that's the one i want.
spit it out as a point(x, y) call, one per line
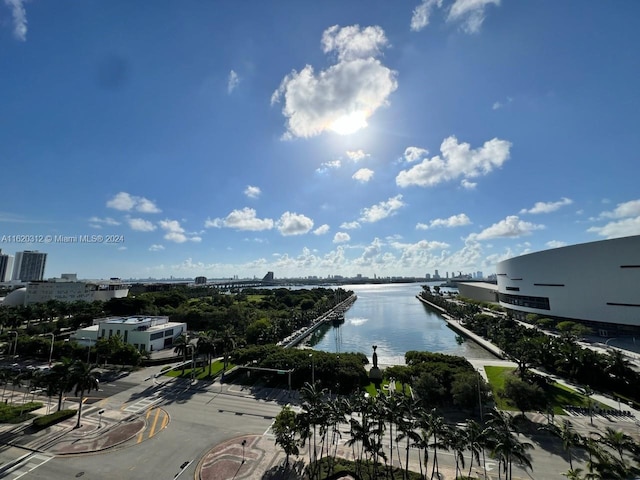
point(349, 123)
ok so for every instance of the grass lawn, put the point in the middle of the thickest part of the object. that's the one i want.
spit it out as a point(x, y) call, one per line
point(13, 413)
point(497, 377)
point(201, 373)
point(371, 388)
point(559, 395)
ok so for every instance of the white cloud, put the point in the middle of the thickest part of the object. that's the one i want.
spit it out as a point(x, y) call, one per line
point(326, 166)
point(547, 207)
point(421, 14)
point(232, 81)
point(382, 210)
point(356, 155)
point(294, 224)
point(141, 225)
point(627, 216)
point(411, 154)
point(467, 185)
point(19, 18)
point(104, 221)
point(175, 232)
point(343, 96)
point(244, 219)
point(555, 244)
point(126, 202)
point(622, 210)
point(156, 248)
point(363, 175)
point(341, 237)
point(620, 228)
point(470, 13)
point(146, 206)
point(350, 225)
point(352, 43)
point(458, 160)
point(510, 227)
point(459, 220)
point(496, 106)
point(252, 192)
point(321, 230)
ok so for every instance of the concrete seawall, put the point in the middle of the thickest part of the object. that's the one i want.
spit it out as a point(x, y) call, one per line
point(457, 326)
point(318, 322)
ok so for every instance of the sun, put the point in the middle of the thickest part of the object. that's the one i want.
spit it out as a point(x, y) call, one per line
point(349, 123)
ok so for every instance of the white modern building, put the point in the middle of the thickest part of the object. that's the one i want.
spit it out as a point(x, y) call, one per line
point(595, 283)
point(143, 332)
point(67, 288)
point(6, 267)
point(29, 265)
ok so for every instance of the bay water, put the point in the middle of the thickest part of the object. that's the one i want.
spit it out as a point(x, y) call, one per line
point(392, 318)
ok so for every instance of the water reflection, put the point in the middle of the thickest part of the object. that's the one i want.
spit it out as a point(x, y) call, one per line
point(391, 317)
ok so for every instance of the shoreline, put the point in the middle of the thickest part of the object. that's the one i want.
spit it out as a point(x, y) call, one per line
point(456, 325)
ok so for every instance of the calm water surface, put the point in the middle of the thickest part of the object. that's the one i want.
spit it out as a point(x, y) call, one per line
point(391, 317)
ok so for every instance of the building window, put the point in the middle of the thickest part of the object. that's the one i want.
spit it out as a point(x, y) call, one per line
point(549, 284)
point(540, 303)
point(110, 332)
point(168, 333)
point(514, 289)
point(126, 336)
point(156, 336)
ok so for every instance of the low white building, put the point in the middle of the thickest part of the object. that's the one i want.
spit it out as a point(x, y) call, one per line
point(67, 288)
point(145, 333)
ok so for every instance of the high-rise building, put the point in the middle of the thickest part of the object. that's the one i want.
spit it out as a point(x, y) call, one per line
point(29, 266)
point(6, 264)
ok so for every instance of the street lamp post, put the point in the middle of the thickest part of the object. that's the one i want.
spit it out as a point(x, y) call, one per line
point(53, 337)
point(244, 442)
point(193, 363)
point(313, 370)
point(88, 347)
point(15, 347)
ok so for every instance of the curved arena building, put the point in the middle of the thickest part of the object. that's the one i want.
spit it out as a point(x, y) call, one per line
point(595, 283)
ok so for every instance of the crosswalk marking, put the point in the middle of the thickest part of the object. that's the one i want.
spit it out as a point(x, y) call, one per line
point(31, 463)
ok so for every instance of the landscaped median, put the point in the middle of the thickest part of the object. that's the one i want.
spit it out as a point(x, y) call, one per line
point(199, 373)
point(554, 395)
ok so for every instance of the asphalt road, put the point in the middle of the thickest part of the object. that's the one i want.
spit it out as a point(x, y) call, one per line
point(199, 419)
point(192, 419)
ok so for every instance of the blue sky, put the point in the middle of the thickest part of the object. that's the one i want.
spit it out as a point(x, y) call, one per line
point(315, 138)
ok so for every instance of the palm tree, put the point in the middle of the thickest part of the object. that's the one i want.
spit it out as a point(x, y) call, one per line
point(476, 443)
point(84, 380)
point(457, 440)
point(181, 347)
point(618, 440)
point(434, 423)
point(228, 344)
point(312, 415)
point(60, 375)
point(567, 435)
point(587, 391)
point(207, 345)
point(504, 444)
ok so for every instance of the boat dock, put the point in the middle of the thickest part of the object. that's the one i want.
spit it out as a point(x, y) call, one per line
point(333, 315)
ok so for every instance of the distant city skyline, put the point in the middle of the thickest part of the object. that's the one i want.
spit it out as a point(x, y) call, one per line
point(373, 138)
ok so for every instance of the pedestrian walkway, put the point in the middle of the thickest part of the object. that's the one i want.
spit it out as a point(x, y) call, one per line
point(257, 457)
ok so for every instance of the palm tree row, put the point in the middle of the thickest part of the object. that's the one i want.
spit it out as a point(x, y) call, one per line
point(63, 377)
point(609, 452)
point(384, 429)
